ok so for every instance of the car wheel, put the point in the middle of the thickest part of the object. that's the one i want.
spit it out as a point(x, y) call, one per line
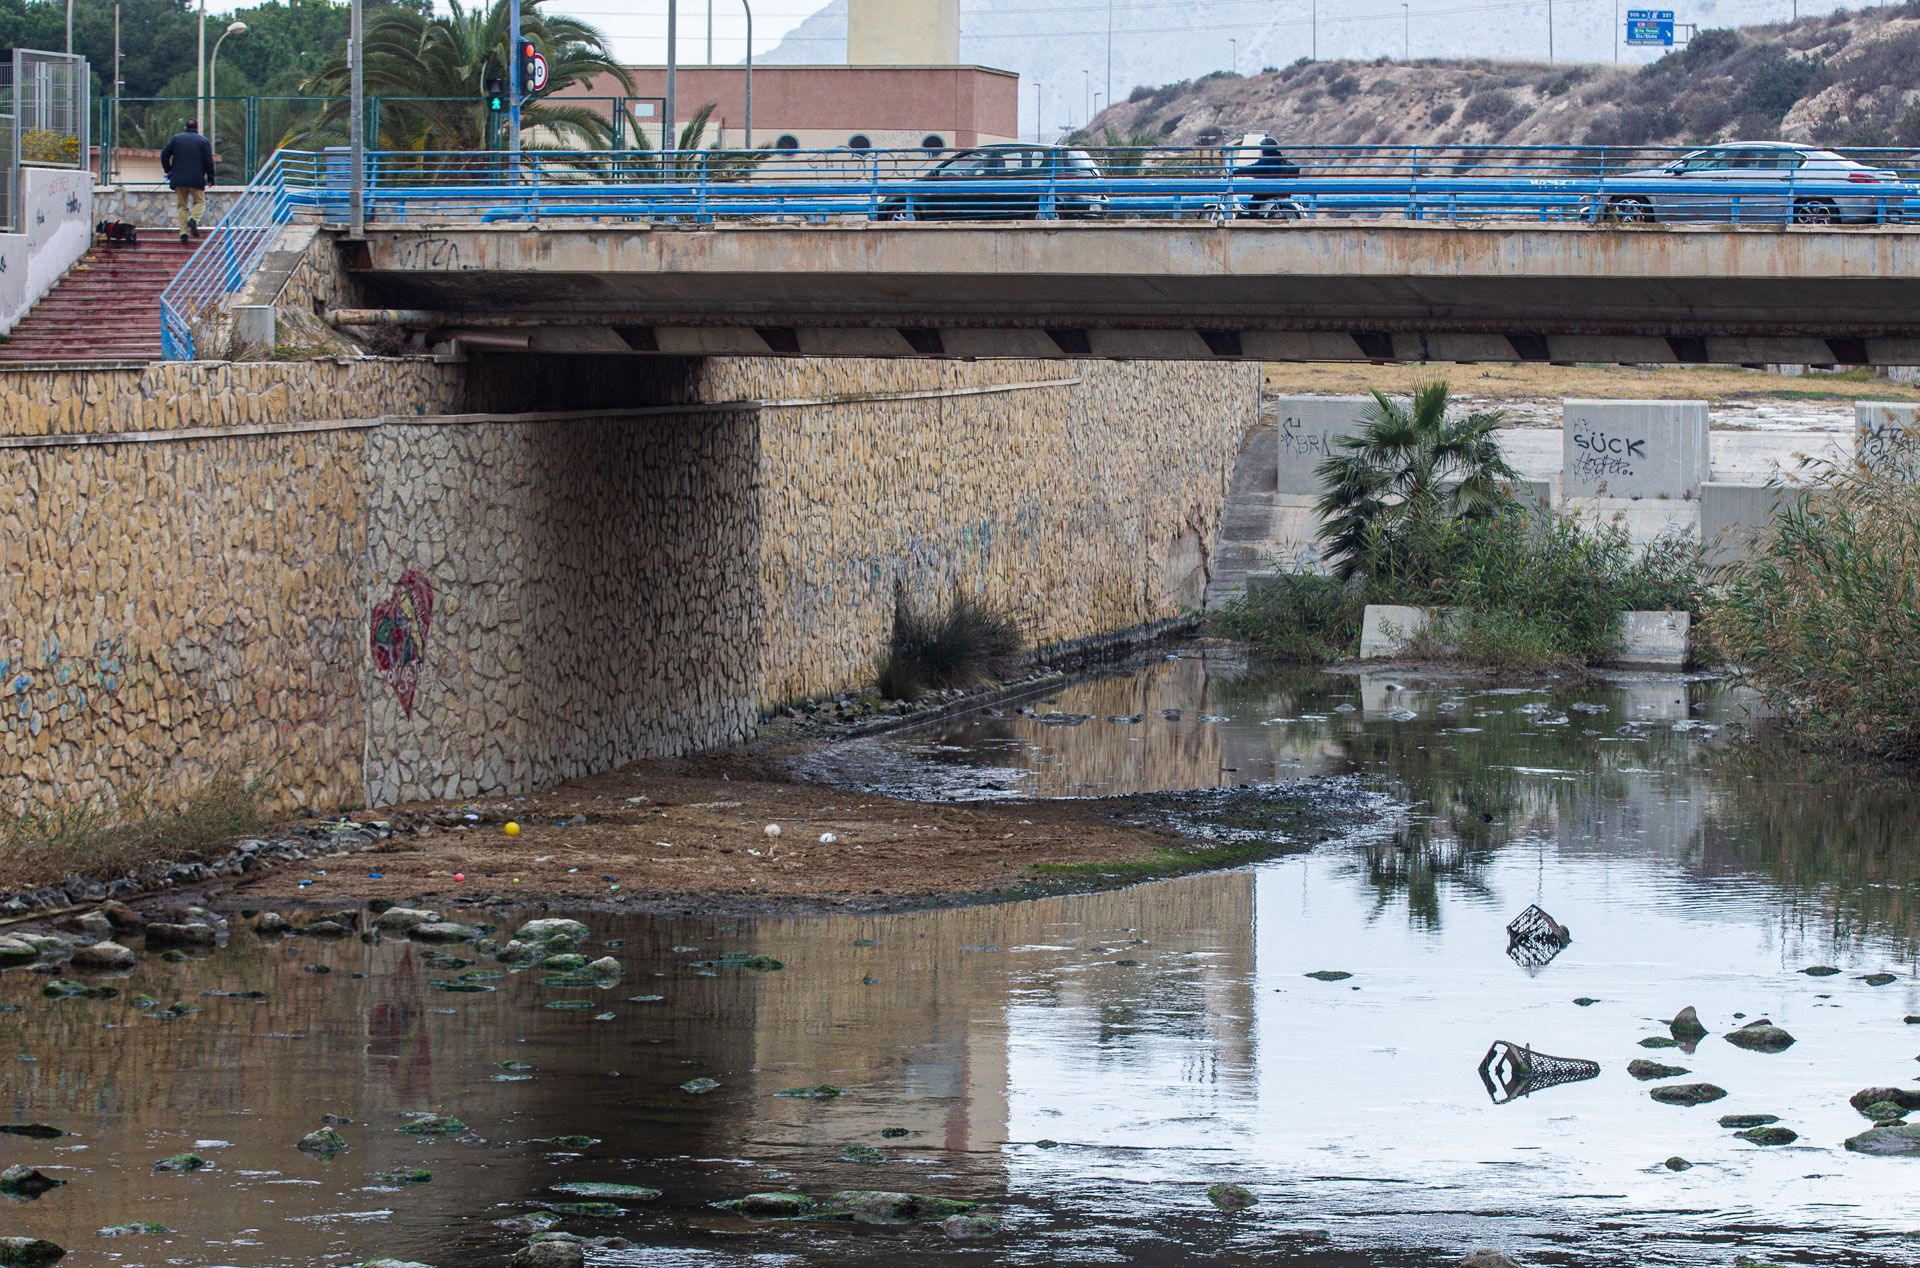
point(899, 212)
point(1630, 211)
point(1815, 211)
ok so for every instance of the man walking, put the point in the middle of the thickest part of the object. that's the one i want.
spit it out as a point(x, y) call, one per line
point(187, 160)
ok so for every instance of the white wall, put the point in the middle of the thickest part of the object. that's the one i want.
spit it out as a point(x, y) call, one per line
point(56, 222)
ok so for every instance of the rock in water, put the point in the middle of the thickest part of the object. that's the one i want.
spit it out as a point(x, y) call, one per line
point(443, 931)
point(1760, 1036)
point(1677, 1163)
point(393, 1263)
point(25, 1182)
point(1748, 1120)
point(121, 916)
point(1231, 1197)
point(28, 1252)
point(401, 919)
point(969, 1227)
point(883, 1206)
point(271, 924)
point(182, 1162)
point(1769, 1135)
point(1902, 1141)
point(542, 930)
point(1905, 1098)
point(1688, 1093)
point(1686, 1024)
point(1644, 1070)
point(104, 957)
point(15, 951)
point(775, 1206)
point(323, 1142)
point(1487, 1259)
point(549, 1255)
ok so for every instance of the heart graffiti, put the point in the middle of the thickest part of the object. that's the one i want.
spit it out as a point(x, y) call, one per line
point(399, 635)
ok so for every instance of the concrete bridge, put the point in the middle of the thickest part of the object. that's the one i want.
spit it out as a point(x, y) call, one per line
point(1322, 290)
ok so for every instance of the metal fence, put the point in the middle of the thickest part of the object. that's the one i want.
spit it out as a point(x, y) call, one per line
point(1572, 185)
point(50, 115)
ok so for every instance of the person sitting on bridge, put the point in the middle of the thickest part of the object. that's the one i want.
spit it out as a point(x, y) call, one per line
point(187, 160)
point(1273, 164)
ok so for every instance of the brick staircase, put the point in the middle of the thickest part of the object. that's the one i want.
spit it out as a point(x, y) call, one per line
point(107, 307)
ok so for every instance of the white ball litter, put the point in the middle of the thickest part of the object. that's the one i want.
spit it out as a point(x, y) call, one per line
point(827, 838)
point(773, 829)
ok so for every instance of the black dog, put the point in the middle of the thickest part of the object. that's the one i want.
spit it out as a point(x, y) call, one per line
point(117, 231)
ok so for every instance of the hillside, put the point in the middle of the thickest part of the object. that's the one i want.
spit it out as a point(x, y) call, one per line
point(1845, 79)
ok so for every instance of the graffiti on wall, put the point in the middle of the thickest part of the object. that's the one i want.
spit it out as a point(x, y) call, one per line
point(398, 635)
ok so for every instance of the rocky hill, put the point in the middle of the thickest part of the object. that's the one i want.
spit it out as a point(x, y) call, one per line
point(1845, 79)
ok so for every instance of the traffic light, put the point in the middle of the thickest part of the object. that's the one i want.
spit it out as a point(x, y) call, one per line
point(496, 94)
point(529, 84)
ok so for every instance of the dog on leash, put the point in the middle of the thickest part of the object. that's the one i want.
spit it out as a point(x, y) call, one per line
point(117, 231)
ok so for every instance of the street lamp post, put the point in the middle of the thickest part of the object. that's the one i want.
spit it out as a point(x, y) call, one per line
point(69, 26)
point(745, 4)
point(1109, 52)
point(213, 84)
point(1235, 46)
point(200, 71)
point(357, 121)
point(1406, 34)
point(668, 138)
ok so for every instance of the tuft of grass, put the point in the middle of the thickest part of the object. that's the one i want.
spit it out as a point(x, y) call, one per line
point(1825, 618)
point(1299, 617)
point(963, 645)
point(97, 838)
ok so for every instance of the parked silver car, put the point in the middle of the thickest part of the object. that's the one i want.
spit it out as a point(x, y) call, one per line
point(1700, 180)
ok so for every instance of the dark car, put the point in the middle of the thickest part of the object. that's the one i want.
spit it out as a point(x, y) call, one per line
point(963, 187)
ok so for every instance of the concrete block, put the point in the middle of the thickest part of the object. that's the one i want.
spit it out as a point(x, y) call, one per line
point(1309, 426)
point(1388, 629)
point(1655, 640)
point(1642, 519)
point(256, 324)
point(1734, 516)
point(1887, 437)
point(1634, 449)
point(1536, 494)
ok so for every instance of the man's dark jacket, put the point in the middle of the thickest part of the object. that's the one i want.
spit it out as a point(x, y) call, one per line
point(187, 159)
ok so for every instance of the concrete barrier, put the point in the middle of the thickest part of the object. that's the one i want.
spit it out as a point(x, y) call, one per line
point(1734, 516)
point(1309, 426)
point(1634, 449)
point(1648, 640)
point(1887, 436)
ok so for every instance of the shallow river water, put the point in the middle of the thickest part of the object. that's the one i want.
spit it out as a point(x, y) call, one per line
point(1087, 1065)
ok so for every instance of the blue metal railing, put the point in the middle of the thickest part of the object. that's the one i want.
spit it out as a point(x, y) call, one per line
point(1577, 184)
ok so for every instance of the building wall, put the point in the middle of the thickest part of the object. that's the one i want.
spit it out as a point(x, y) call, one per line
point(903, 32)
point(337, 574)
point(825, 105)
point(54, 228)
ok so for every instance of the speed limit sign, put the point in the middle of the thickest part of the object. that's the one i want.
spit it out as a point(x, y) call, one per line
point(536, 73)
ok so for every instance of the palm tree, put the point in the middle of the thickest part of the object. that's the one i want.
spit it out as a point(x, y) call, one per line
point(443, 62)
point(1406, 470)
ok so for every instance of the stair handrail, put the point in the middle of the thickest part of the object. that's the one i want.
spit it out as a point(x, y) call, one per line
point(227, 255)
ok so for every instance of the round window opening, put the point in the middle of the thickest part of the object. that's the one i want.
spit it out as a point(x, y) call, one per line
point(787, 142)
point(859, 141)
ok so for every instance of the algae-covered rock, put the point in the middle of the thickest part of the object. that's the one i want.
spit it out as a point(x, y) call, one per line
point(182, 1162)
point(1769, 1135)
point(1879, 979)
point(1748, 1120)
point(387, 1262)
point(549, 1254)
point(591, 1210)
point(1905, 1098)
point(741, 960)
point(1686, 1025)
point(1487, 1259)
point(553, 927)
point(700, 1086)
point(1659, 1041)
point(67, 988)
point(1760, 1036)
point(866, 1155)
point(1643, 1070)
point(774, 1206)
point(818, 1092)
point(574, 1142)
point(1688, 1093)
point(1329, 975)
point(606, 967)
point(443, 931)
point(404, 1175)
point(1820, 970)
point(962, 1228)
point(598, 1189)
point(566, 962)
point(1231, 1197)
point(134, 1228)
point(322, 1142)
point(1677, 1163)
point(28, 1252)
point(1899, 1141)
point(433, 1125)
point(884, 1206)
point(1885, 1113)
point(26, 1182)
point(15, 952)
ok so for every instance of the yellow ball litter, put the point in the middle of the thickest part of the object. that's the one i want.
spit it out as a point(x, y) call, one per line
point(512, 829)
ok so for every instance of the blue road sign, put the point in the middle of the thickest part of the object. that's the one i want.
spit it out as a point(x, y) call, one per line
point(1650, 26)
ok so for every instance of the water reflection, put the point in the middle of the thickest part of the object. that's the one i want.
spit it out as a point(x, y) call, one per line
point(1089, 1064)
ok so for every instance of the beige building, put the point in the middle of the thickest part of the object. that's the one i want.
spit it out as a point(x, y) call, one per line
point(903, 32)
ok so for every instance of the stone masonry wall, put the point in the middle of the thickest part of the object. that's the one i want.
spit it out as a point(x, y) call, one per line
point(422, 604)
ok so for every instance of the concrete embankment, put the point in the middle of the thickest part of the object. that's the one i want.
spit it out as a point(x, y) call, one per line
point(391, 579)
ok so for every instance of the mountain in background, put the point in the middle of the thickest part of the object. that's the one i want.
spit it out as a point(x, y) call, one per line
point(1845, 79)
point(1060, 50)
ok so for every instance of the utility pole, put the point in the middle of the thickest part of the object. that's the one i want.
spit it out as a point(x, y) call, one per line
point(1235, 46)
point(669, 133)
point(709, 32)
point(69, 26)
point(1038, 89)
point(514, 86)
point(200, 71)
point(1109, 52)
point(1406, 34)
point(1616, 32)
point(1549, 32)
point(107, 172)
point(747, 5)
point(357, 121)
point(1314, 25)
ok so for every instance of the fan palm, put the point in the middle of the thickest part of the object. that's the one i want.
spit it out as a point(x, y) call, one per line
point(1411, 466)
point(442, 63)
